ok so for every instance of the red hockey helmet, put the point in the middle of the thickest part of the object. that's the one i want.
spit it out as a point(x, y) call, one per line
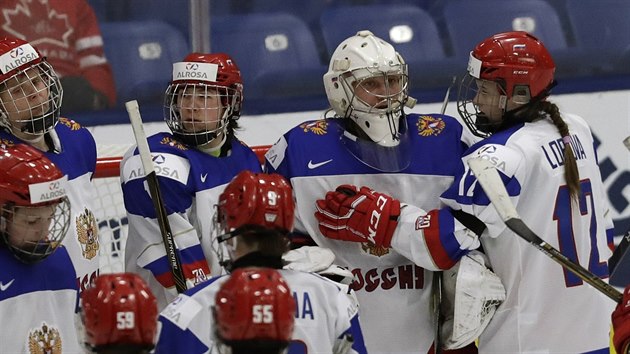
point(19, 60)
point(515, 59)
point(21, 166)
point(203, 75)
point(119, 310)
point(32, 192)
point(18, 55)
point(256, 199)
point(518, 62)
point(254, 304)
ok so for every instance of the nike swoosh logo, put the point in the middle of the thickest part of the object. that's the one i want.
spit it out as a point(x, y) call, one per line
point(4, 287)
point(203, 177)
point(312, 165)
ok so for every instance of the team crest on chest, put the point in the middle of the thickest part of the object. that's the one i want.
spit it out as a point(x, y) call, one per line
point(374, 250)
point(428, 125)
point(70, 123)
point(44, 340)
point(167, 140)
point(87, 232)
point(318, 127)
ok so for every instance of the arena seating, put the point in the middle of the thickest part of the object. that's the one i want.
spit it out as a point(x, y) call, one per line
point(283, 47)
point(141, 54)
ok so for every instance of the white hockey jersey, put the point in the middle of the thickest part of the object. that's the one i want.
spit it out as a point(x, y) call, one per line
point(324, 312)
point(75, 156)
point(394, 293)
point(547, 309)
point(38, 303)
point(190, 183)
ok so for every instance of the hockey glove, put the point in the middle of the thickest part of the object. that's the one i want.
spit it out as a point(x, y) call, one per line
point(621, 323)
point(355, 215)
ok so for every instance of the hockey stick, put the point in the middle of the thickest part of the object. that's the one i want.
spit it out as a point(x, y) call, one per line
point(492, 184)
point(436, 287)
point(619, 262)
point(154, 188)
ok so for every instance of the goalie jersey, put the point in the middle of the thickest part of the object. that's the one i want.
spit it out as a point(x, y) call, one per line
point(541, 296)
point(394, 293)
point(74, 153)
point(324, 313)
point(38, 304)
point(190, 183)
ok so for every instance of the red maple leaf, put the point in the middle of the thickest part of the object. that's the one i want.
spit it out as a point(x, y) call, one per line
point(34, 21)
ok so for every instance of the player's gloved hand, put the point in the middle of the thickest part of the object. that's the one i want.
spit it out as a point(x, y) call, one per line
point(355, 215)
point(621, 322)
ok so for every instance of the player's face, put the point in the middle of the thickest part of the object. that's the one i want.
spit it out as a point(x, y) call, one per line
point(25, 96)
point(30, 225)
point(374, 91)
point(200, 108)
point(490, 100)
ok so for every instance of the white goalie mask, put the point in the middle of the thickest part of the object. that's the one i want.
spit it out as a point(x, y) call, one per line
point(367, 81)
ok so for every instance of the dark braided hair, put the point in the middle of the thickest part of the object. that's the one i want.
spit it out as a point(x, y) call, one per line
point(571, 173)
point(532, 112)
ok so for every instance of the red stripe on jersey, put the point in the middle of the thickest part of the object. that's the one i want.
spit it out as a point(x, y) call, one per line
point(197, 272)
point(434, 243)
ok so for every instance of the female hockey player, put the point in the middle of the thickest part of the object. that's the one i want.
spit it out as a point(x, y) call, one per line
point(371, 141)
point(254, 214)
point(30, 100)
point(194, 163)
point(38, 286)
point(119, 315)
point(548, 164)
point(254, 312)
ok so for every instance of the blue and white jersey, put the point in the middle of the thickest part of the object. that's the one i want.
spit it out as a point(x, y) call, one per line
point(324, 313)
point(38, 303)
point(190, 183)
point(542, 296)
point(75, 156)
point(394, 293)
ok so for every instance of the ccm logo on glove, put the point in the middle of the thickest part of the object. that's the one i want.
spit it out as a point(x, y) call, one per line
point(361, 215)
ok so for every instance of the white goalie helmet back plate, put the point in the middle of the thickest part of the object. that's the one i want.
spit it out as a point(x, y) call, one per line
point(355, 59)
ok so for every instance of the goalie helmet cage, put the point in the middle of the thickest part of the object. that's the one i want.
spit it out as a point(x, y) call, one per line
point(110, 208)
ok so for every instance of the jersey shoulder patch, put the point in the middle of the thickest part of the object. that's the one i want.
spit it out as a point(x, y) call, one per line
point(503, 158)
point(182, 311)
point(165, 165)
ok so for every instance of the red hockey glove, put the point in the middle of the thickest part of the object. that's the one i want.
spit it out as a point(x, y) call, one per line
point(621, 322)
point(355, 215)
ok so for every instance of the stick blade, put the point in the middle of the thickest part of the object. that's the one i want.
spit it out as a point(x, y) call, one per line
point(491, 182)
